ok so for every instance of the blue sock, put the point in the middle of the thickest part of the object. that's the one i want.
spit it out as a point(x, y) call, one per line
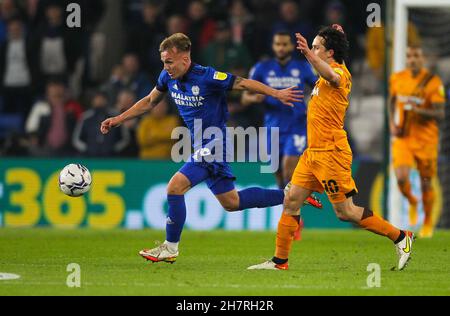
point(258, 197)
point(175, 218)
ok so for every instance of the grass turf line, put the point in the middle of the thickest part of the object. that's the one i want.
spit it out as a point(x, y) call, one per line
point(325, 262)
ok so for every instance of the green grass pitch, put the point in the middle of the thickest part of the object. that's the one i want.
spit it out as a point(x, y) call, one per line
point(325, 262)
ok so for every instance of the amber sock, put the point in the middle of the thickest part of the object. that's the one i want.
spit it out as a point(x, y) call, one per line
point(285, 235)
point(378, 225)
point(428, 202)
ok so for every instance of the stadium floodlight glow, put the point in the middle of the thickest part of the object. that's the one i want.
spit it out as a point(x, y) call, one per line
point(401, 26)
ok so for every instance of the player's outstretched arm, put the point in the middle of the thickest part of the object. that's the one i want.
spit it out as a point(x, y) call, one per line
point(322, 67)
point(142, 106)
point(286, 96)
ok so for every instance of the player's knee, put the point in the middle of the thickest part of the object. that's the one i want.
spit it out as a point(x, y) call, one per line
point(342, 213)
point(401, 181)
point(175, 188)
point(178, 185)
point(230, 205)
point(291, 204)
point(342, 217)
point(426, 184)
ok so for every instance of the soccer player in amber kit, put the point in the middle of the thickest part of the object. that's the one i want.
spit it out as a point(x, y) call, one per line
point(416, 105)
point(326, 164)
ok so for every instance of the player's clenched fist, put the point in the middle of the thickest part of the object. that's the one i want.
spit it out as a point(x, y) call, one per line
point(108, 124)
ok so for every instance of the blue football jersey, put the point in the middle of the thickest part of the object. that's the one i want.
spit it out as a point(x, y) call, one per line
point(294, 73)
point(200, 95)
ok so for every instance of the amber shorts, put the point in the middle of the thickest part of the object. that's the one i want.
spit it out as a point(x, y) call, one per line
point(328, 171)
point(408, 153)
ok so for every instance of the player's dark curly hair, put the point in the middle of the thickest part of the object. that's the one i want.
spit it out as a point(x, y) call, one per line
point(335, 39)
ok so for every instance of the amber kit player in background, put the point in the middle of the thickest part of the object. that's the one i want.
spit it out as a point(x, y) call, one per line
point(416, 104)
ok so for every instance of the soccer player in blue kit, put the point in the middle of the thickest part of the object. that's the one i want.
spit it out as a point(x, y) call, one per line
point(281, 72)
point(200, 94)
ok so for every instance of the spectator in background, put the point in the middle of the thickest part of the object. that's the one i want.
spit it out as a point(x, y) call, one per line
point(154, 133)
point(91, 14)
point(91, 11)
point(200, 27)
point(57, 49)
point(8, 10)
point(132, 11)
point(125, 100)
point(16, 74)
point(112, 87)
point(222, 54)
point(335, 14)
point(176, 24)
point(245, 30)
point(133, 78)
point(52, 121)
point(128, 75)
point(290, 21)
point(87, 138)
point(144, 39)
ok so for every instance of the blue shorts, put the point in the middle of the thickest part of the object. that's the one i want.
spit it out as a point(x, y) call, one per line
point(217, 175)
point(291, 144)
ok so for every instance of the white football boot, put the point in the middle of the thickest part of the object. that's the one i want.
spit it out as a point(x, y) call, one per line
point(404, 249)
point(269, 265)
point(161, 253)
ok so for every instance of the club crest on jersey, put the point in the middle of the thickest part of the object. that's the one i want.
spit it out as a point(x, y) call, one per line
point(220, 76)
point(195, 90)
point(271, 73)
point(295, 73)
point(175, 86)
point(315, 91)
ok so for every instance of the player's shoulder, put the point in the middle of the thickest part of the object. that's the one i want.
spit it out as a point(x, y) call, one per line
point(163, 74)
point(399, 74)
point(432, 77)
point(207, 71)
point(263, 65)
point(434, 82)
point(342, 70)
point(201, 70)
point(164, 77)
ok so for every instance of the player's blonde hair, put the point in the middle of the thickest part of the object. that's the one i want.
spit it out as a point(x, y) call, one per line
point(178, 40)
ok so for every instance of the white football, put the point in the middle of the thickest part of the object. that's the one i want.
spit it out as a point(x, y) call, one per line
point(75, 180)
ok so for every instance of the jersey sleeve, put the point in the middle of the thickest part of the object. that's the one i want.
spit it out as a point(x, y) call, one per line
point(163, 80)
point(435, 91)
point(344, 78)
point(217, 80)
point(310, 76)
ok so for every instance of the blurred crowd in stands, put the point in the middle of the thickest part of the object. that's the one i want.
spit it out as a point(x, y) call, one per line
point(42, 116)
